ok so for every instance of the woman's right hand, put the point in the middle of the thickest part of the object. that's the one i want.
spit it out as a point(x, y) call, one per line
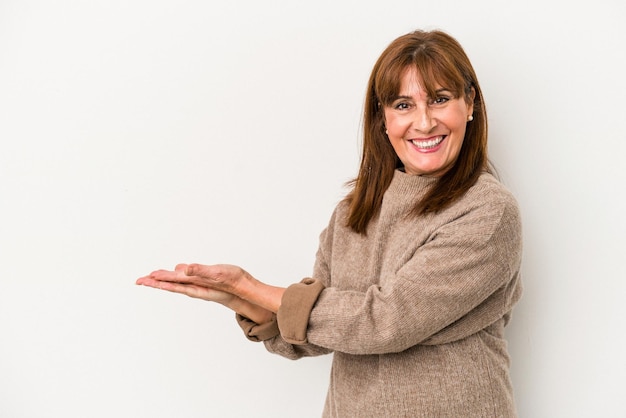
point(178, 281)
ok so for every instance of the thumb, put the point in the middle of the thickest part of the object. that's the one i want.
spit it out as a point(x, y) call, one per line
point(181, 268)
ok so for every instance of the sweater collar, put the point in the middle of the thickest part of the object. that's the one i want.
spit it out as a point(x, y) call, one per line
point(404, 184)
point(405, 191)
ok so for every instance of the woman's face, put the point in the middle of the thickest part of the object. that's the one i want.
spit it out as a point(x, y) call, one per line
point(426, 132)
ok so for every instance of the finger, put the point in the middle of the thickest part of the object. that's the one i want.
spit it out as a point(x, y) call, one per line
point(190, 290)
point(158, 284)
point(195, 269)
point(180, 277)
point(216, 272)
point(181, 268)
point(184, 289)
point(171, 276)
point(147, 281)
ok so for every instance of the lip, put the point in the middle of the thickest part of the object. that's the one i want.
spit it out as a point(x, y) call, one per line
point(425, 140)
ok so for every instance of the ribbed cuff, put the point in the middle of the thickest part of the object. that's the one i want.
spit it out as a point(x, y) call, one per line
point(295, 310)
point(258, 332)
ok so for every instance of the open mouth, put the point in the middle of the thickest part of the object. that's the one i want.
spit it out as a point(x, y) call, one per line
point(428, 143)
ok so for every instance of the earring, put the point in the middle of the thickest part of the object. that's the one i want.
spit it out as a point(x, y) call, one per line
point(470, 118)
point(386, 132)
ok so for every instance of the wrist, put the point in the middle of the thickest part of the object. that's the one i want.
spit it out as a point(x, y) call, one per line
point(249, 310)
point(258, 293)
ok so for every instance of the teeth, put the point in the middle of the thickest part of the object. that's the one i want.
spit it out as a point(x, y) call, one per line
point(430, 143)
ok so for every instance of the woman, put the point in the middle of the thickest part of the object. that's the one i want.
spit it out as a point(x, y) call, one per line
point(418, 269)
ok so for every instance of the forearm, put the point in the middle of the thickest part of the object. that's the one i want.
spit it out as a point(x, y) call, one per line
point(236, 281)
point(249, 310)
point(260, 294)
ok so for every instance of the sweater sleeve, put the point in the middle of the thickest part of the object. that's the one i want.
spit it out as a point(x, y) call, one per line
point(461, 281)
point(257, 332)
point(289, 346)
point(294, 314)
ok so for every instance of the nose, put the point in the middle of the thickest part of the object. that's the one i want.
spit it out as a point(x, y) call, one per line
point(423, 120)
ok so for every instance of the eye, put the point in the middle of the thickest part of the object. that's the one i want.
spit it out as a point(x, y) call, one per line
point(440, 100)
point(401, 106)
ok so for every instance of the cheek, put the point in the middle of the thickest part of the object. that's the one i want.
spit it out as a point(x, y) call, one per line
point(457, 140)
point(395, 125)
point(457, 122)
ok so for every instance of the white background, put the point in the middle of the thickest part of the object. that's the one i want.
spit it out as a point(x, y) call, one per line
point(139, 134)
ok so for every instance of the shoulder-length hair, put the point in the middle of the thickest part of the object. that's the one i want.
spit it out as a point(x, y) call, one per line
point(441, 62)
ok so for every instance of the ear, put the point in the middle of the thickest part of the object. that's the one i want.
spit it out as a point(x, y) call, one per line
point(381, 109)
point(469, 100)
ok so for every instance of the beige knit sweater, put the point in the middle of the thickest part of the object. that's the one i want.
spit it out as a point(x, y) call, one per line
point(415, 311)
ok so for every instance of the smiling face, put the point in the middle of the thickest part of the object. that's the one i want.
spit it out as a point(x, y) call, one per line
point(426, 132)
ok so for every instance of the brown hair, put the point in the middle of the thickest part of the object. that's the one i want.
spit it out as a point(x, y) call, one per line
point(440, 60)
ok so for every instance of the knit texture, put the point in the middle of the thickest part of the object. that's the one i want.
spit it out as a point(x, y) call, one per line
point(415, 310)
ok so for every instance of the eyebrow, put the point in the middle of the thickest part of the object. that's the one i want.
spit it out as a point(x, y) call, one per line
point(438, 91)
